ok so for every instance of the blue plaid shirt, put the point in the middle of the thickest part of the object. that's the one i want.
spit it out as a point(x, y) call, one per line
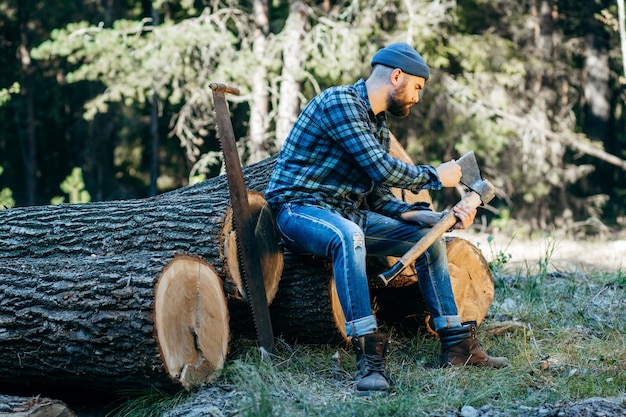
point(336, 156)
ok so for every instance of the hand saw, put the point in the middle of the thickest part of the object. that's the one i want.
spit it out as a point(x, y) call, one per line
point(248, 255)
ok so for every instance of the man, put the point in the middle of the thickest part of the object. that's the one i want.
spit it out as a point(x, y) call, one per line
point(330, 191)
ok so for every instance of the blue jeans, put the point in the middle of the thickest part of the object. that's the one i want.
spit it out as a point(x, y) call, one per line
point(324, 232)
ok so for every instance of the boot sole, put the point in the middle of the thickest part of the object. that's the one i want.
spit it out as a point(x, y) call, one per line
point(368, 393)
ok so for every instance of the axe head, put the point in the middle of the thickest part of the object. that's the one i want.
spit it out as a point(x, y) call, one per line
point(470, 177)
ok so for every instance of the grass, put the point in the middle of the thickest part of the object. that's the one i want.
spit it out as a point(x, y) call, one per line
point(566, 343)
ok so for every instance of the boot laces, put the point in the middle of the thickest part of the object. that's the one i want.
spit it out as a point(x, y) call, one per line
point(373, 363)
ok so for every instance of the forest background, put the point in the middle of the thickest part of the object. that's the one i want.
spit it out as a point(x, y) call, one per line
point(109, 99)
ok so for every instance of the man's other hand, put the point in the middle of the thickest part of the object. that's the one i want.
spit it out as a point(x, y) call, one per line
point(449, 173)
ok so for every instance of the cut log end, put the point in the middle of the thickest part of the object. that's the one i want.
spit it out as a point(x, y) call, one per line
point(472, 285)
point(191, 320)
point(268, 244)
point(471, 278)
point(338, 316)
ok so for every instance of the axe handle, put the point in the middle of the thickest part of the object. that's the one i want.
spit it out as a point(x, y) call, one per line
point(444, 224)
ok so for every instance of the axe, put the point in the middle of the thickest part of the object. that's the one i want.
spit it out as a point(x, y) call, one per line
point(481, 192)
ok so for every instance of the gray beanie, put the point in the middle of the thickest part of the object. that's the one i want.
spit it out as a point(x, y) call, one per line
point(402, 55)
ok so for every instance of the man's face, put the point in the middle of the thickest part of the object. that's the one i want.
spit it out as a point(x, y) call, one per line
point(405, 95)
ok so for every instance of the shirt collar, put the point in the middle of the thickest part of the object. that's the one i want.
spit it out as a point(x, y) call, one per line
point(362, 90)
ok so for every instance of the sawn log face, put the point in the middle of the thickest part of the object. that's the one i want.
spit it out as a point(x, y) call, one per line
point(77, 284)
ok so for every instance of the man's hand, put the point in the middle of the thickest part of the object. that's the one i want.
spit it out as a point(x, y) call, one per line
point(465, 216)
point(449, 173)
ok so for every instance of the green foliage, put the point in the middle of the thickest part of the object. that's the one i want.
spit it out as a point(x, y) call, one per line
point(6, 196)
point(499, 256)
point(492, 89)
point(5, 93)
point(174, 60)
point(74, 186)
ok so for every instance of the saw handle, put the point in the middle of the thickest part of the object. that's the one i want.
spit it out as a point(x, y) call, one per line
point(223, 89)
point(444, 224)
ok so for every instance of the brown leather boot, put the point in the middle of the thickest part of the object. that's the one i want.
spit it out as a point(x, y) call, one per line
point(371, 353)
point(459, 347)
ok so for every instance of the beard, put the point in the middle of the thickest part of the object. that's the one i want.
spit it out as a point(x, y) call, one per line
point(397, 104)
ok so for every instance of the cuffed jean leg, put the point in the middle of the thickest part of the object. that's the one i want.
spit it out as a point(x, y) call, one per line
point(321, 232)
point(390, 237)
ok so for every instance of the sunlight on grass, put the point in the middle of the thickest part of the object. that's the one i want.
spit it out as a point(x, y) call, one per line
point(565, 340)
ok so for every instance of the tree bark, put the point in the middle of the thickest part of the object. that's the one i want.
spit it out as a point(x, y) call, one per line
point(13, 406)
point(597, 87)
point(259, 106)
point(99, 293)
point(98, 320)
point(25, 116)
point(307, 308)
point(78, 289)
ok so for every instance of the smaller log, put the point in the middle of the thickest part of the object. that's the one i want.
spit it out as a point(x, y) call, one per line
point(471, 278)
point(472, 285)
point(191, 320)
point(267, 241)
point(14, 406)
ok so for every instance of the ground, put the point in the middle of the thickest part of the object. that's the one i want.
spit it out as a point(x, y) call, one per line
point(603, 253)
point(566, 254)
point(211, 399)
point(592, 407)
point(523, 254)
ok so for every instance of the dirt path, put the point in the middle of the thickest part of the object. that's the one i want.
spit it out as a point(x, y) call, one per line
point(566, 255)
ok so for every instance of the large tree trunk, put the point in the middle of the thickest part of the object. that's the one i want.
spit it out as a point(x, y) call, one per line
point(98, 321)
point(25, 116)
point(78, 287)
point(259, 106)
point(291, 76)
point(99, 293)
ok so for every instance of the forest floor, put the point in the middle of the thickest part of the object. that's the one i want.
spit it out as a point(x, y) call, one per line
point(552, 255)
point(562, 254)
point(605, 252)
point(522, 256)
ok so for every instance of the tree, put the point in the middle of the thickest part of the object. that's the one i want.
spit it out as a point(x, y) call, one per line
point(508, 81)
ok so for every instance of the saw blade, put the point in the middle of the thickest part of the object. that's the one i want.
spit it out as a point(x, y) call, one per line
point(243, 222)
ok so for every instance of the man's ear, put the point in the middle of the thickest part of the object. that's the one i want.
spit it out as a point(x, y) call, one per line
point(396, 77)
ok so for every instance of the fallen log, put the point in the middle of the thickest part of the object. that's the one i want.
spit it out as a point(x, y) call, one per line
point(472, 285)
point(267, 242)
point(87, 296)
point(78, 285)
point(306, 308)
point(15, 406)
point(309, 310)
point(96, 321)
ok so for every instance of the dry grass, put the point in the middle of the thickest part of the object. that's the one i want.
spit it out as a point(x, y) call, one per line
point(563, 332)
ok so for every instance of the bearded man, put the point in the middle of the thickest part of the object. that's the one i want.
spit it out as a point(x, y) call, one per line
point(331, 193)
